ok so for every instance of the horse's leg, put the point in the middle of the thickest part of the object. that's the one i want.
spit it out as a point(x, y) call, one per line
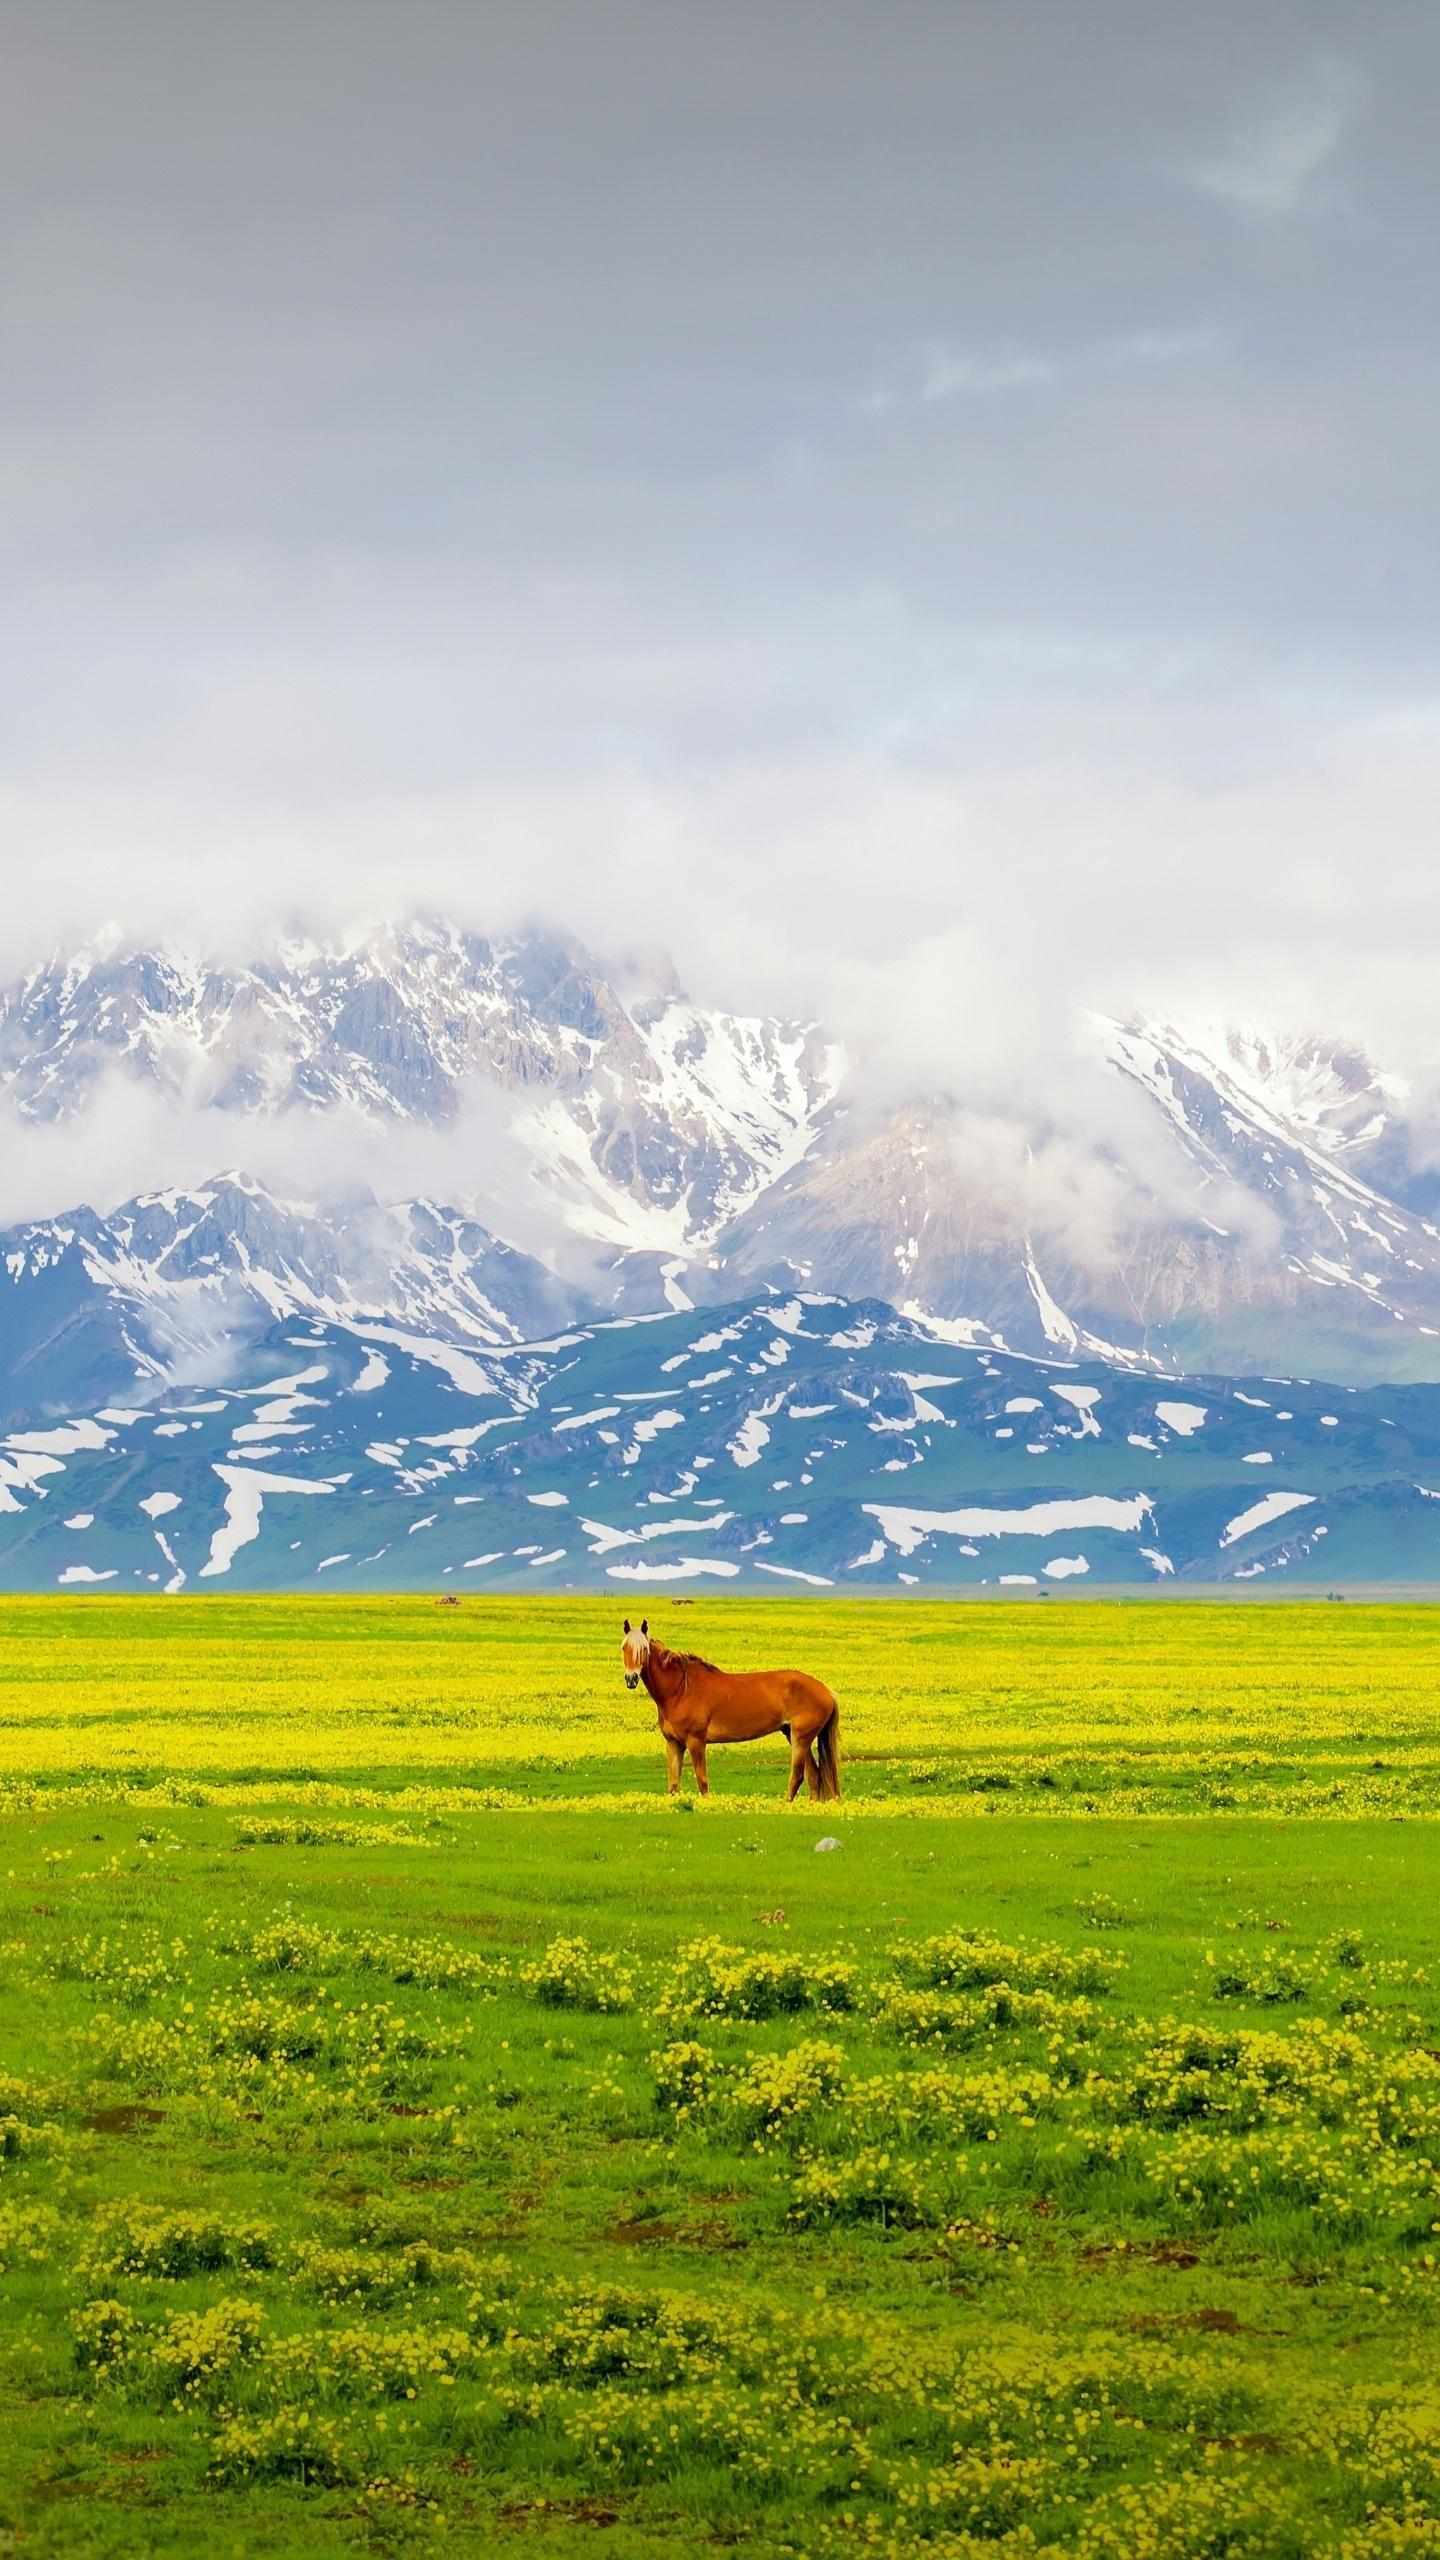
point(675, 1763)
point(697, 1763)
point(799, 1755)
point(812, 1772)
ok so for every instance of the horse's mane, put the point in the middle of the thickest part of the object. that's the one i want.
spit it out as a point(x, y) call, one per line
point(699, 1660)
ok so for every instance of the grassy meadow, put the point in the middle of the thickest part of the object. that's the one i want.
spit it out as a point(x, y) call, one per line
point(417, 2134)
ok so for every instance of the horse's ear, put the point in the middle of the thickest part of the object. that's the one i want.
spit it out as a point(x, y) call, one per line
point(644, 1626)
point(627, 1626)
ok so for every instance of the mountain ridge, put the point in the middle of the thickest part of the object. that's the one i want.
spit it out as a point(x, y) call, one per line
point(803, 1442)
point(1257, 1202)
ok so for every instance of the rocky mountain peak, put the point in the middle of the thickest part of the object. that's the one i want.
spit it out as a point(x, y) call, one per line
point(1257, 1202)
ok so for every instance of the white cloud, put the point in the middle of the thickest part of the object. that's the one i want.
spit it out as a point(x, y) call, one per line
point(132, 1138)
point(1094, 666)
point(951, 921)
point(939, 372)
point(947, 373)
point(1269, 161)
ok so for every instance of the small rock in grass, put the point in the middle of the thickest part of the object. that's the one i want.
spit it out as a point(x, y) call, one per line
point(827, 1843)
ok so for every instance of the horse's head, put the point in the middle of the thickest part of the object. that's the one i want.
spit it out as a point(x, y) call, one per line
point(635, 1652)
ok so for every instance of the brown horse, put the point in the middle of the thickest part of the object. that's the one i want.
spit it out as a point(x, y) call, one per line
point(698, 1705)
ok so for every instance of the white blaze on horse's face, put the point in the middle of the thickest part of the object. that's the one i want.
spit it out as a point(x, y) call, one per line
point(635, 1652)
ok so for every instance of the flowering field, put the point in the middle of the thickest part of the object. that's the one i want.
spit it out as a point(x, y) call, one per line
point(1144, 1707)
point(415, 2133)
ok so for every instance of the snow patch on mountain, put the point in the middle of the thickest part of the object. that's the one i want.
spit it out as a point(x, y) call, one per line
point(245, 1491)
point(1184, 1418)
point(907, 1529)
point(1274, 1506)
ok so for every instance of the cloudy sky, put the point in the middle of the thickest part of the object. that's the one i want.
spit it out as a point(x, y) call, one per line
point(897, 500)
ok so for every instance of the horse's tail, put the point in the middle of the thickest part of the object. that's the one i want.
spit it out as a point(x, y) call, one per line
point(827, 1756)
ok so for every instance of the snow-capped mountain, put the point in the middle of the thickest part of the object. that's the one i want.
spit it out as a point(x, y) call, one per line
point(642, 1124)
point(701, 1375)
point(781, 1444)
point(177, 1283)
point(1239, 1222)
point(1239, 1202)
point(1320, 1241)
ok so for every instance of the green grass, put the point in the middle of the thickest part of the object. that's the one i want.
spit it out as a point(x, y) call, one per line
point(414, 2133)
